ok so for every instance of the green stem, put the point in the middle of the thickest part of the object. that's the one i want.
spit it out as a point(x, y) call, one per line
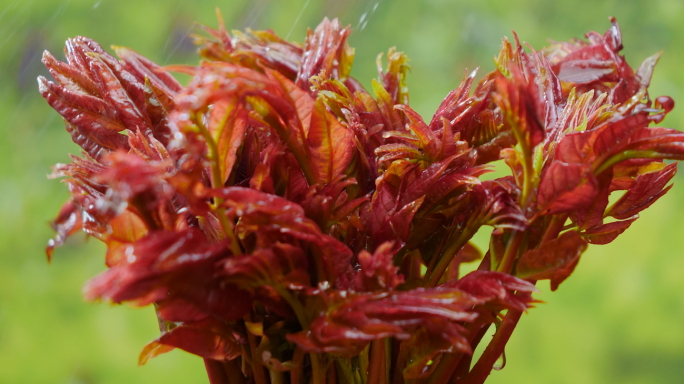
point(257, 367)
point(277, 377)
point(317, 368)
point(216, 182)
point(344, 367)
point(600, 165)
point(361, 365)
point(298, 308)
point(296, 305)
point(511, 253)
point(526, 163)
point(439, 253)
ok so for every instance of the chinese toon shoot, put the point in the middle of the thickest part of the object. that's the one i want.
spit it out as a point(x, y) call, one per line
point(290, 226)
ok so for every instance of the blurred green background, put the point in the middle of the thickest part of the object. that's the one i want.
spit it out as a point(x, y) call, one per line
point(617, 320)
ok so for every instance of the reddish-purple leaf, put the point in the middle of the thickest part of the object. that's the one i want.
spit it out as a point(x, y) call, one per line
point(114, 93)
point(606, 233)
point(281, 265)
point(646, 190)
point(209, 339)
point(554, 260)
point(143, 68)
point(496, 204)
point(91, 122)
point(566, 187)
point(376, 271)
point(326, 51)
point(163, 265)
point(272, 219)
point(420, 351)
point(354, 319)
point(67, 222)
point(70, 77)
point(592, 215)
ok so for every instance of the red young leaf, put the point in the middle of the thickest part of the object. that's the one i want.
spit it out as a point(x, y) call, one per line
point(237, 204)
point(646, 190)
point(67, 222)
point(282, 264)
point(330, 143)
point(114, 93)
point(164, 265)
point(376, 270)
point(91, 122)
point(554, 260)
point(126, 229)
point(606, 233)
point(70, 76)
point(566, 187)
point(592, 215)
point(143, 68)
point(209, 339)
point(272, 219)
point(326, 51)
point(354, 319)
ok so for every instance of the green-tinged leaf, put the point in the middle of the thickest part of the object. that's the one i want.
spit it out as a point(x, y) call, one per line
point(209, 339)
point(126, 229)
point(330, 142)
point(394, 80)
point(230, 140)
point(303, 102)
point(257, 329)
point(386, 105)
point(152, 350)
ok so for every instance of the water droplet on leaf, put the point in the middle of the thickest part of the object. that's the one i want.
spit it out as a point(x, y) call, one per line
point(500, 362)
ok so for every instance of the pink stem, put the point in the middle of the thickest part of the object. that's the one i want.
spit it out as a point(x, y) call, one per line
point(215, 372)
point(484, 365)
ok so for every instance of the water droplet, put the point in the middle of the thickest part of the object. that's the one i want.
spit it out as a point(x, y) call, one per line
point(500, 362)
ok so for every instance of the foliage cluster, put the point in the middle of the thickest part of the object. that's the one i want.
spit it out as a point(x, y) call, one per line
point(289, 225)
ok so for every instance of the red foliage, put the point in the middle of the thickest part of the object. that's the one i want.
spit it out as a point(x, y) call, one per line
point(273, 207)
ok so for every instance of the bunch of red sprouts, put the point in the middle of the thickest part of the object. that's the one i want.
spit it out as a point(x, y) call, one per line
point(291, 226)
